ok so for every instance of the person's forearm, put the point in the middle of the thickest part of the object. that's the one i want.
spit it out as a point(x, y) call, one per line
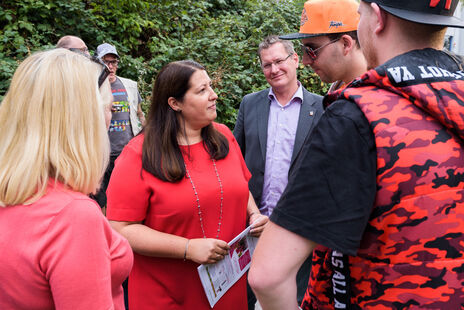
point(278, 296)
point(251, 206)
point(255, 217)
point(275, 263)
point(274, 290)
point(150, 242)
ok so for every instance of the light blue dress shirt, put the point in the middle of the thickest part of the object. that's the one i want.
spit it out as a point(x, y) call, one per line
point(281, 132)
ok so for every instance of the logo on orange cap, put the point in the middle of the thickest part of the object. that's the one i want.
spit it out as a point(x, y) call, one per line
point(304, 18)
point(322, 17)
point(335, 24)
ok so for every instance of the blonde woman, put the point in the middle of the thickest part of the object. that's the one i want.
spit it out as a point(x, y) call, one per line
point(57, 249)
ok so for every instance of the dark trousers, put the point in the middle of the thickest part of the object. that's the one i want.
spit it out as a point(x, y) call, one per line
point(100, 196)
point(126, 294)
point(302, 278)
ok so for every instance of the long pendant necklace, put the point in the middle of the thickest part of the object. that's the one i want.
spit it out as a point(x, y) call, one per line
point(187, 174)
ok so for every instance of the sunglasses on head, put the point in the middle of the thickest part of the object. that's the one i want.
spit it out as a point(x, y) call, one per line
point(81, 50)
point(105, 71)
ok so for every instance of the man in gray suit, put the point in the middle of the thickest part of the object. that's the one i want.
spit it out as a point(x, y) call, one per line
point(271, 127)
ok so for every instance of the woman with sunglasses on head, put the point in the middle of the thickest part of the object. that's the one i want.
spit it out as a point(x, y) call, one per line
point(179, 193)
point(58, 250)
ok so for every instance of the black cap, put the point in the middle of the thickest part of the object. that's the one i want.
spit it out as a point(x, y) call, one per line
point(430, 12)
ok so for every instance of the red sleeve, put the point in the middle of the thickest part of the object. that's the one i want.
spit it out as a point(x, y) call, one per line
point(76, 260)
point(234, 148)
point(128, 194)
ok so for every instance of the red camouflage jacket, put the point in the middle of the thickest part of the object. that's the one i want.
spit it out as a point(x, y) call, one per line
point(412, 252)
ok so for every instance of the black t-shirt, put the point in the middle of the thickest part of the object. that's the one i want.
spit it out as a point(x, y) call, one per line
point(332, 186)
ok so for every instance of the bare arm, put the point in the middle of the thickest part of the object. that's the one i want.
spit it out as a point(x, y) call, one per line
point(276, 260)
point(255, 217)
point(150, 242)
point(140, 114)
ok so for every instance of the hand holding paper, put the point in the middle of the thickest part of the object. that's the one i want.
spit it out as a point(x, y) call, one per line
point(206, 251)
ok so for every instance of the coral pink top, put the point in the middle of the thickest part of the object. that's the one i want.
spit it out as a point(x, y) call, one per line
point(61, 253)
point(136, 195)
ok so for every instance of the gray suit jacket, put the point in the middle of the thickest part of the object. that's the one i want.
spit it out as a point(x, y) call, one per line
point(251, 132)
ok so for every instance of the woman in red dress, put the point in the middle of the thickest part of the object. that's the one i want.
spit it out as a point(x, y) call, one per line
point(179, 193)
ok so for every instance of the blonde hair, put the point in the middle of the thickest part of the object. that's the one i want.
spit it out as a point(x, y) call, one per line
point(53, 128)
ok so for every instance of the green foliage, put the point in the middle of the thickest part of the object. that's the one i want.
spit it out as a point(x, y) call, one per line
point(223, 35)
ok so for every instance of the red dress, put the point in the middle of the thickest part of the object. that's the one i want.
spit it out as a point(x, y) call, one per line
point(136, 195)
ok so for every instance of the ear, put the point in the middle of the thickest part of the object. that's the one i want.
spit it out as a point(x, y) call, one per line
point(381, 18)
point(348, 44)
point(174, 104)
point(296, 59)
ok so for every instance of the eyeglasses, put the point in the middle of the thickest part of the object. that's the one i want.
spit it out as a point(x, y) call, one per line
point(105, 71)
point(278, 63)
point(313, 53)
point(114, 63)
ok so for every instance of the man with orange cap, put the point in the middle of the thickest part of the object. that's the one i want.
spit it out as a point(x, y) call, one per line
point(330, 42)
point(379, 195)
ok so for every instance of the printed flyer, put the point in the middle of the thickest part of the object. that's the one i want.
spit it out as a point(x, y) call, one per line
point(219, 277)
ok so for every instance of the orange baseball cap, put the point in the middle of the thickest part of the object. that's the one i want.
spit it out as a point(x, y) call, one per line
point(322, 17)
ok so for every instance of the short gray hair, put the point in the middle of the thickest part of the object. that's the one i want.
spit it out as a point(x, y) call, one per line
point(273, 39)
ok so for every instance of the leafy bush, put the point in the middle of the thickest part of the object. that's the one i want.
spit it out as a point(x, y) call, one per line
point(223, 35)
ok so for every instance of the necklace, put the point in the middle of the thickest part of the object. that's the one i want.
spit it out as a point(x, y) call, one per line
point(187, 174)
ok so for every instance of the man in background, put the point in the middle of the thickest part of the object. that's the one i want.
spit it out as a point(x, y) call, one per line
point(127, 115)
point(74, 44)
point(330, 42)
point(271, 127)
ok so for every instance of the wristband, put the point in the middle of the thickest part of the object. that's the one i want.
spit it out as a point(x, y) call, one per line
point(186, 248)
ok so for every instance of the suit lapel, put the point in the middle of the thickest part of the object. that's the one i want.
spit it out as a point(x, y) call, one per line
point(305, 122)
point(263, 118)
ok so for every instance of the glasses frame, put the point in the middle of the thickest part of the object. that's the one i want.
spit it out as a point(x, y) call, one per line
point(313, 53)
point(114, 63)
point(277, 63)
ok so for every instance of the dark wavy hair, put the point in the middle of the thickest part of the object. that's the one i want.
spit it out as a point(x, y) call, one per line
point(161, 154)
